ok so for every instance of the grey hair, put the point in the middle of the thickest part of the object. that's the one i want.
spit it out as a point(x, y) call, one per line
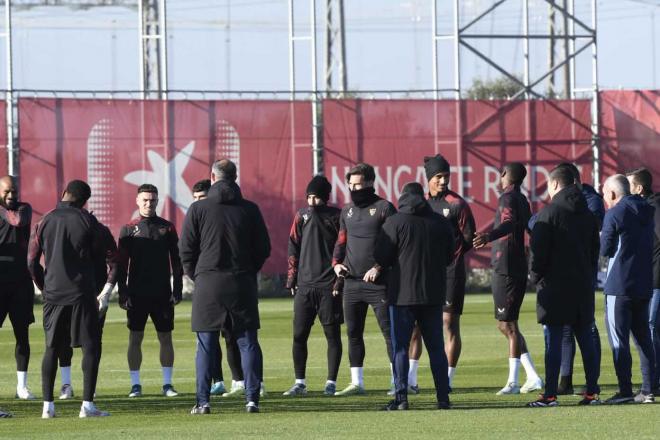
point(224, 169)
point(618, 183)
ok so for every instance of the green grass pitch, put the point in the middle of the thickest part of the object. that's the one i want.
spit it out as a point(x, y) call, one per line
point(477, 412)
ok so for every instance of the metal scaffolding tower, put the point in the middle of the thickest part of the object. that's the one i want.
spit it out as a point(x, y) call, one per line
point(336, 82)
point(579, 35)
point(153, 48)
point(10, 102)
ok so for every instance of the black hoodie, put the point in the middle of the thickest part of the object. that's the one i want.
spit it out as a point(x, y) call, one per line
point(565, 247)
point(417, 244)
point(224, 233)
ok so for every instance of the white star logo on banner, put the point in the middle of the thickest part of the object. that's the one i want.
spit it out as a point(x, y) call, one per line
point(168, 178)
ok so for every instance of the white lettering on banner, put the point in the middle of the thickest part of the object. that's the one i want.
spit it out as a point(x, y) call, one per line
point(339, 183)
point(385, 184)
point(534, 181)
point(397, 176)
point(491, 182)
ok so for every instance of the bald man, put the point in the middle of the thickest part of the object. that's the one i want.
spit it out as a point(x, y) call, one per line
point(16, 288)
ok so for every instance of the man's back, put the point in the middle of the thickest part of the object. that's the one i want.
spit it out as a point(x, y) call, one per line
point(417, 243)
point(224, 233)
point(66, 237)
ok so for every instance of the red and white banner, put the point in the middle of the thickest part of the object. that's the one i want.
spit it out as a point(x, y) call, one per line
point(3, 139)
point(394, 136)
point(116, 145)
point(630, 131)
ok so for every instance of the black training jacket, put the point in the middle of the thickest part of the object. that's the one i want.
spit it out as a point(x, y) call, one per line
point(311, 242)
point(106, 265)
point(359, 227)
point(455, 209)
point(508, 234)
point(564, 252)
point(68, 239)
point(417, 244)
point(149, 256)
point(14, 238)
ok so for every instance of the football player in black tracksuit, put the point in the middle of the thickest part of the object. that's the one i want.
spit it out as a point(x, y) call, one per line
point(457, 210)
point(311, 279)
point(68, 238)
point(510, 273)
point(105, 274)
point(149, 256)
point(353, 259)
point(16, 288)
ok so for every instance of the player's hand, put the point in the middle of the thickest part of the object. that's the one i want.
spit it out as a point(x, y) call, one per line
point(175, 299)
point(371, 275)
point(480, 240)
point(293, 291)
point(104, 296)
point(124, 302)
point(340, 270)
point(335, 293)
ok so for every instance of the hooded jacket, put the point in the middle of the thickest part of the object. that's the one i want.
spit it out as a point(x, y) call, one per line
point(418, 245)
point(224, 243)
point(654, 200)
point(627, 239)
point(564, 254)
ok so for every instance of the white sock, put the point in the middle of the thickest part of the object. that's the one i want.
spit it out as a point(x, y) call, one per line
point(356, 376)
point(21, 377)
point(412, 372)
point(528, 365)
point(450, 374)
point(49, 406)
point(300, 381)
point(333, 382)
point(167, 375)
point(87, 404)
point(240, 384)
point(391, 374)
point(514, 366)
point(135, 377)
point(65, 375)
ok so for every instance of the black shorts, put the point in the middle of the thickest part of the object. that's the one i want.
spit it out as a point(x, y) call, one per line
point(17, 301)
point(455, 298)
point(76, 325)
point(508, 295)
point(160, 310)
point(310, 302)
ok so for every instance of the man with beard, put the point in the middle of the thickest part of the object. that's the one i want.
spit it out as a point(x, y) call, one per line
point(16, 288)
point(353, 260)
point(564, 250)
point(510, 273)
point(310, 280)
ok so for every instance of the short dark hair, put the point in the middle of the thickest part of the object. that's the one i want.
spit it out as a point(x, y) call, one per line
point(642, 176)
point(202, 186)
point(574, 169)
point(562, 174)
point(413, 188)
point(516, 172)
point(147, 188)
point(224, 169)
point(362, 169)
point(79, 190)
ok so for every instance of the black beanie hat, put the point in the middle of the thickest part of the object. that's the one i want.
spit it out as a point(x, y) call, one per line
point(434, 165)
point(320, 187)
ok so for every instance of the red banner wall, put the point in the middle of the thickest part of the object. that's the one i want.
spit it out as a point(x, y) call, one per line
point(394, 136)
point(3, 139)
point(630, 131)
point(118, 144)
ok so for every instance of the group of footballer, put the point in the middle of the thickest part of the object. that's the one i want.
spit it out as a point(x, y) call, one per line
point(407, 264)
